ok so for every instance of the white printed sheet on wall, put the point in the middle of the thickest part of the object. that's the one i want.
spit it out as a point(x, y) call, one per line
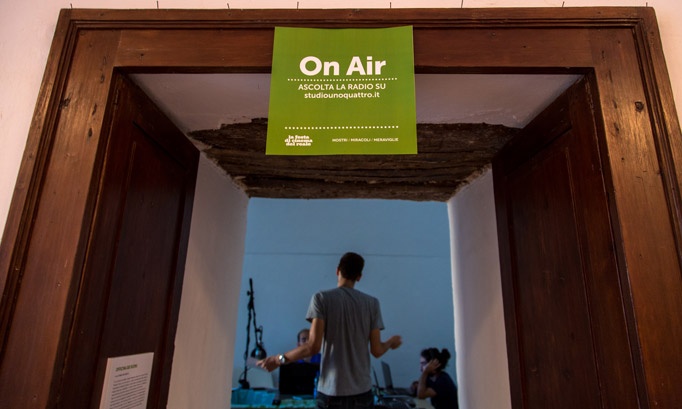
point(126, 382)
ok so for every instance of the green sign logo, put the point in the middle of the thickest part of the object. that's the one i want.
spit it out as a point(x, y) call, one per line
point(342, 91)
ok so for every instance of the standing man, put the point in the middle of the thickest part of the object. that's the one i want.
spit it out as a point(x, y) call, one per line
point(344, 321)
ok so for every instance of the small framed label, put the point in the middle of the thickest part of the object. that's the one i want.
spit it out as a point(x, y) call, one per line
point(126, 382)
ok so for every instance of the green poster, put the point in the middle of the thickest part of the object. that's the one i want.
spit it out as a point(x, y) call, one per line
point(342, 91)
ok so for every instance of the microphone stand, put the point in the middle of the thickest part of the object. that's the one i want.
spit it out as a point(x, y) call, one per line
point(258, 352)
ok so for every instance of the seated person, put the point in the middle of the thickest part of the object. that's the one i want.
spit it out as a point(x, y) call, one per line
point(299, 378)
point(433, 382)
point(302, 338)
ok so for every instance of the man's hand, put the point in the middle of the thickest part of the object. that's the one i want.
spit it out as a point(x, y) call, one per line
point(395, 341)
point(378, 348)
point(270, 363)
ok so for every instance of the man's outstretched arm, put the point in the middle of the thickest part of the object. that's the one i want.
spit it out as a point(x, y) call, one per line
point(310, 348)
point(378, 347)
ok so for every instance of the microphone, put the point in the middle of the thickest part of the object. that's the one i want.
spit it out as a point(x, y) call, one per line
point(259, 351)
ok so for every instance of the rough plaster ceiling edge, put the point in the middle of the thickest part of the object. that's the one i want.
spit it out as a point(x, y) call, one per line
point(220, 171)
point(237, 183)
point(203, 147)
point(471, 178)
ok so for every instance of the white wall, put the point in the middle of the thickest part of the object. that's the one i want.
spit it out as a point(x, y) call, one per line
point(202, 363)
point(26, 29)
point(479, 319)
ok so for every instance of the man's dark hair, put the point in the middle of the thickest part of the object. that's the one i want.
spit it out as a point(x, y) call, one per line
point(351, 265)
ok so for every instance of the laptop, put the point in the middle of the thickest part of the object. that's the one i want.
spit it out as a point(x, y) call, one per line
point(376, 382)
point(298, 378)
point(388, 381)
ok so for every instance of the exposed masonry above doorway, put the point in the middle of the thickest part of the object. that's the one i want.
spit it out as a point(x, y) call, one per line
point(465, 117)
point(431, 175)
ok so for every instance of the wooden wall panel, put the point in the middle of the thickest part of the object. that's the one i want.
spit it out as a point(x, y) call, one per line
point(241, 50)
point(43, 304)
point(650, 265)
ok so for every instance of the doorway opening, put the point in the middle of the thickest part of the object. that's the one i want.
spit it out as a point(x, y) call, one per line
point(292, 248)
point(198, 101)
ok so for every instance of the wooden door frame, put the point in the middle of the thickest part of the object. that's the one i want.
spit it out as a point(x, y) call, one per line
point(42, 252)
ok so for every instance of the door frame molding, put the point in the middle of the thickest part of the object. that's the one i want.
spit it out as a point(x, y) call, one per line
point(52, 207)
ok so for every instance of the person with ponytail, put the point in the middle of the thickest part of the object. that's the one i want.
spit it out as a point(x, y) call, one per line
point(434, 383)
